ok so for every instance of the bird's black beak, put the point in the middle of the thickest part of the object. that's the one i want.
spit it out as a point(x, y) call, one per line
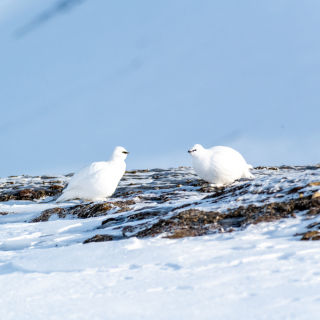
point(125, 152)
point(189, 151)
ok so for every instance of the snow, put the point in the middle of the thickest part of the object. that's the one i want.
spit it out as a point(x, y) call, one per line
point(260, 272)
point(253, 275)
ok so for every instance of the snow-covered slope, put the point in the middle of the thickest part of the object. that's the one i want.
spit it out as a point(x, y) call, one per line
point(174, 248)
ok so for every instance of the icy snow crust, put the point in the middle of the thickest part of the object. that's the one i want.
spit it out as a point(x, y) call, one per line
point(259, 271)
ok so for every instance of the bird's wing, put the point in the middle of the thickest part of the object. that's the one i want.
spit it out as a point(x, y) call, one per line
point(86, 173)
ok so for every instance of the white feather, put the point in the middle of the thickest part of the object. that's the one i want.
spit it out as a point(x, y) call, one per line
point(98, 180)
point(219, 165)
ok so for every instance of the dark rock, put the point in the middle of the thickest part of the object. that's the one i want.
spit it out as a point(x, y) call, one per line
point(27, 194)
point(191, 219)
point(183, 233)
point(41, 193)
point(91, 210)
point(194, 222)
point(314, 224)
point(56, 187)
point(85, 211)
point(45, 215)
point(143, 215)
point(99, 238)
point(295, 190)
point(311, 235)
point(129, 231)
point(9, 196)
point(108, 220)
point(123, 205)
point(183, 206)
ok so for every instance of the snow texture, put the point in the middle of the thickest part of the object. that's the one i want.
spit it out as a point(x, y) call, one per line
point(260, 271)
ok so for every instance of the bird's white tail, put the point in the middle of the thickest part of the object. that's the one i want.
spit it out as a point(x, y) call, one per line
point(247, 174)
point(62, 198)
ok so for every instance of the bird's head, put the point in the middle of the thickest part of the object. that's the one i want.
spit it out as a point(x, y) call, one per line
point(120, 153)
point(196, 150)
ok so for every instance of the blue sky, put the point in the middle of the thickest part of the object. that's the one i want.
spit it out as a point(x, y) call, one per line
point(156, 77)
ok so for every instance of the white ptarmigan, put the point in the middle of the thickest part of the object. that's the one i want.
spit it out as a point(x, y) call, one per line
point(98, 180)
point(219, 165)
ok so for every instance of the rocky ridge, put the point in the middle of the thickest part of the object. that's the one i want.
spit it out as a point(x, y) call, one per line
point(174, 203)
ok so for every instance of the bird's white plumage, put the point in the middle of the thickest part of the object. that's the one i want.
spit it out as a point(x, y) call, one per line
point(219, 165)
point(98, 180)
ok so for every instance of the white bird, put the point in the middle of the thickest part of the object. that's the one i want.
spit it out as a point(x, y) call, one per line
point(219, 165)
point(97, 180)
